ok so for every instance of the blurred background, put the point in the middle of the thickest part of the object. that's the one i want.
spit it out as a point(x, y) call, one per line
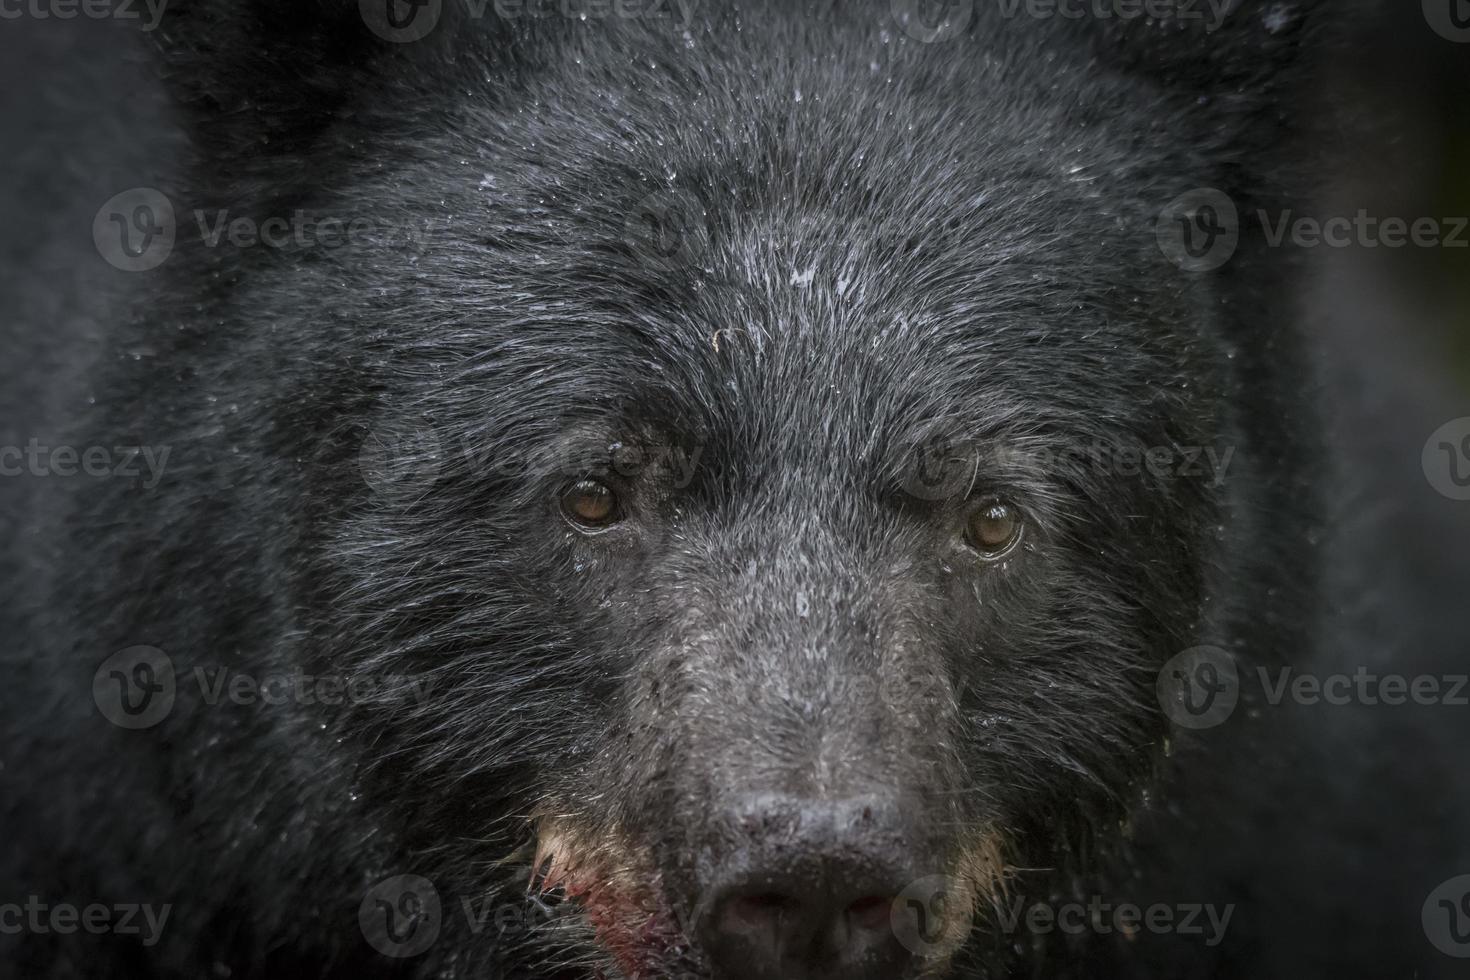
point(1410, 88)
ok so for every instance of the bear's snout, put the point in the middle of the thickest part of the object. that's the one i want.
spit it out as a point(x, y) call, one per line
point(805, 887)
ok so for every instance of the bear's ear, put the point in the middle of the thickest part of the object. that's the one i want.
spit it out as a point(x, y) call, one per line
point(1246, 50)
point(260, 79)
point(254, 75)
point(1250, 74)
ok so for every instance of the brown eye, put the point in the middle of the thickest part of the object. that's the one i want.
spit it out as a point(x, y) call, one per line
point(993, 529)
point(590, 504)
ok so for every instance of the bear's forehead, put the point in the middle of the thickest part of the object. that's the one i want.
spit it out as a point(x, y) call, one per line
point(823, 325)
point(798, 274)
point(819, 396)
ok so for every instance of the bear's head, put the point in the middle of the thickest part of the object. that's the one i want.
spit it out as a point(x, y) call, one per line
point(787, 445)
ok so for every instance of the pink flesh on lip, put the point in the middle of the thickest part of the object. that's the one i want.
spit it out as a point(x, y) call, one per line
point(636, 926)
point(638, 939)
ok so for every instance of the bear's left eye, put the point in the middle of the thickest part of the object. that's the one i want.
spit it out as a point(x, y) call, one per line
point(591, 505)
point(993, 529)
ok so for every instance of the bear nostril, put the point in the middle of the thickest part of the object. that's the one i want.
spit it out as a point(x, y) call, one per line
point(760, 911)
point(763, 904)
point(771, 909)
point(872, 912)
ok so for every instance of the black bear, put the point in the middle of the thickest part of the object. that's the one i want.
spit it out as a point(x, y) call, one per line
point(786, 490)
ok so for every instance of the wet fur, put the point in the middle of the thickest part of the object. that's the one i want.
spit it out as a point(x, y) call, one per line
point(977, 221)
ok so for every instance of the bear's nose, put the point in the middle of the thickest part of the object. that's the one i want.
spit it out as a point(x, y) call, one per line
point(807, 891)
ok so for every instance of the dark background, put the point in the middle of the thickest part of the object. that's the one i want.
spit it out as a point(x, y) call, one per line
point(1411, 89)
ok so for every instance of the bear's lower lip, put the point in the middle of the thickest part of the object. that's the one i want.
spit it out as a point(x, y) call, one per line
point(643, 942)
point(621, 897)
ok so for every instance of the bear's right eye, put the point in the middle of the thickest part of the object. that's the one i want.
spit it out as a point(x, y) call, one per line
point(591, 505)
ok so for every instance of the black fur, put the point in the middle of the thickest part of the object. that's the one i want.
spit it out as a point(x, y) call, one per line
point(884, 243)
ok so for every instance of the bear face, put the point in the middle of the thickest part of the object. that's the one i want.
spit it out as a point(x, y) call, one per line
point(779, 479)
point(702, 407)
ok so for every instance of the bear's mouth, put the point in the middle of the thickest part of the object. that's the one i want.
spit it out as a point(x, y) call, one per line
point(620, 892)
point(616, 885)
